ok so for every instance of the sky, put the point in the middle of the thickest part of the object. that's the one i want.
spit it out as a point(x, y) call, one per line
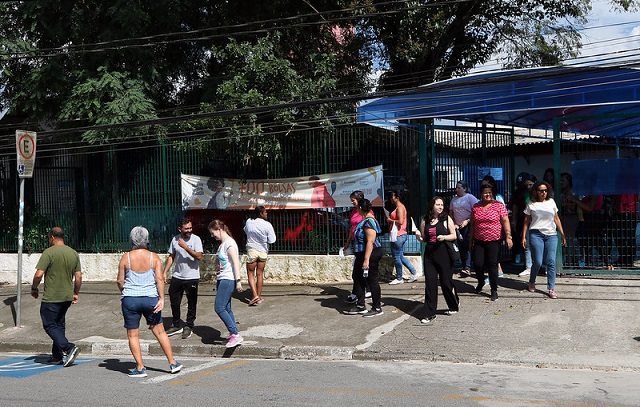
point(609, 35)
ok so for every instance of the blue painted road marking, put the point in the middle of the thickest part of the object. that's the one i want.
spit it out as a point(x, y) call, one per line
point(29, 366)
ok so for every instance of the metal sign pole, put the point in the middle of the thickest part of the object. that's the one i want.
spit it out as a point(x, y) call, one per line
point(26, 154)
point(20, 236)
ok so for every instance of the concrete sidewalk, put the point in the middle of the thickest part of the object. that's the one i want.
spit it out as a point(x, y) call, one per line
point(593, 324)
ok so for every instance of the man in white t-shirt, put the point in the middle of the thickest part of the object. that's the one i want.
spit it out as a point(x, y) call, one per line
point(185, 251)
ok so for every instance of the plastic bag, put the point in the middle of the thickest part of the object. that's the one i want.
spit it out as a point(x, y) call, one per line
point(393, 233)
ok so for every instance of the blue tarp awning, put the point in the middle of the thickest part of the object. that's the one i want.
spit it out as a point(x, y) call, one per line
point(596, 100)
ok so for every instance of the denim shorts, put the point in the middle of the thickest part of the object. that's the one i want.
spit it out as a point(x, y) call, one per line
point(133, 308)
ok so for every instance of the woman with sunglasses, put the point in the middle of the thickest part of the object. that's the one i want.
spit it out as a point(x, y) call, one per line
point(543, 223)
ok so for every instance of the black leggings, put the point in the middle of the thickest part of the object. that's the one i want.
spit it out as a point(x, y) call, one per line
point(485, 260)
point(372, 280)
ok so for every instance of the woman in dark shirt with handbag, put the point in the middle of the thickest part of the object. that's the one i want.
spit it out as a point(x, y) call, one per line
point(368, 254)
point(435, 229)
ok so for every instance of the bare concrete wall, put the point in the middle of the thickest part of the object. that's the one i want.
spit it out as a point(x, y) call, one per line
point(286, 269)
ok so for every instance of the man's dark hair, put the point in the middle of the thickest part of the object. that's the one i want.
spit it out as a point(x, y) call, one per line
point(183, 222)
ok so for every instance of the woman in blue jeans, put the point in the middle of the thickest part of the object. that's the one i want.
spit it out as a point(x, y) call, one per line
point(543, 223)
point(399, 218)
point(228, 279)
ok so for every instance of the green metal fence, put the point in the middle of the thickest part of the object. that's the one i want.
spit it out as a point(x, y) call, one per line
point(98, 196)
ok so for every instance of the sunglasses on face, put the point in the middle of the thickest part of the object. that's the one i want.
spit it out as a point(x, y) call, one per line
point(543, 191)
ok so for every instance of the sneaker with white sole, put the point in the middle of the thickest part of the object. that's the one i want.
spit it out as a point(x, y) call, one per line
point(174, 330)
point(234, 340)
point(356, 310)
point(450, 312)
point(351, 299)
point(186, 332)
point(70, 357)
point(175, 367)
point(374, 312)
point(414, 278)
point(367, 294)
point(396, 281)
point(428, 320)
point(526, 272)
point(138, 372)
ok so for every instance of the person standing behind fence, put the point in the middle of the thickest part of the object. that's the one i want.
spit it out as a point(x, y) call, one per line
point(60, 267)
point(460, 211)
point(399, 218)
point(141, 282)
point(367, 262)
point(625, 220)
point(354, 219)
point(260, 235)
point(541, 218)
point(436, 228)
point(569, 217)
point(228, 279)
point(185, 251)
point(488, 218)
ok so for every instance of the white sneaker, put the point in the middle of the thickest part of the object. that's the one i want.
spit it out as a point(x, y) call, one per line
point(526, 272)
point(396, 281)
point(414, 277)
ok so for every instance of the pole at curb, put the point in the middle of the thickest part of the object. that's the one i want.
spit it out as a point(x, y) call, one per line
point(20, 236)
point(26, 157)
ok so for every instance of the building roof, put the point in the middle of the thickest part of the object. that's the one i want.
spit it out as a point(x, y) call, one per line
point(594, 100)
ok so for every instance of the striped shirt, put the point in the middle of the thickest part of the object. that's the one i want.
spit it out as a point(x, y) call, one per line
point(359, 235)
point(487, 222)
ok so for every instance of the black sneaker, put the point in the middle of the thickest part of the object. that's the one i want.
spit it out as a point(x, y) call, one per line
point(70, 357)
point(356, 310)
point(174, 330)
point(351, 299)
point(52, 361)
point(186, 332)
point(374, 312)
point(428, 320)
point(494, 295)
point(479, 287)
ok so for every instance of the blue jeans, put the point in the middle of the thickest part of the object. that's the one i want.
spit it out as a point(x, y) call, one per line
point(53, 321)
point(543, 246)
point(528, 262)
point(397, 251)
point(222, 304)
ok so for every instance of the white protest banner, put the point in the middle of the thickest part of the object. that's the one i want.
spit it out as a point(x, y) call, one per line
point(317, 191)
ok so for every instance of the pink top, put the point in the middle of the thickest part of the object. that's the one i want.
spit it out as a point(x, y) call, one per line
point(354, 220)
point(403, 229)
point(487, 223)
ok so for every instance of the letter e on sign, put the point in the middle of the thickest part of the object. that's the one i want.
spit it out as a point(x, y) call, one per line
point(26, 150)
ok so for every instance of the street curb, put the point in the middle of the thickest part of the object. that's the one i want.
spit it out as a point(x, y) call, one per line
point(121, 348)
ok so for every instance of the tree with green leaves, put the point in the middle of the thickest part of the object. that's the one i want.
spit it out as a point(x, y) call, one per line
point(426, 41)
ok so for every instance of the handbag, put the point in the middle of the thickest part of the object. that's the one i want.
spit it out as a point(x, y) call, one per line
point(452, 248)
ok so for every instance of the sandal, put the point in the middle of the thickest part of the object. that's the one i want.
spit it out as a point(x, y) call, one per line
point(255, 301)
point(260, 300)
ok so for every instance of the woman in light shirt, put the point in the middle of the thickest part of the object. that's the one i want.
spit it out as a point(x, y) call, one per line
point(460, 211)
point(543, 223)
